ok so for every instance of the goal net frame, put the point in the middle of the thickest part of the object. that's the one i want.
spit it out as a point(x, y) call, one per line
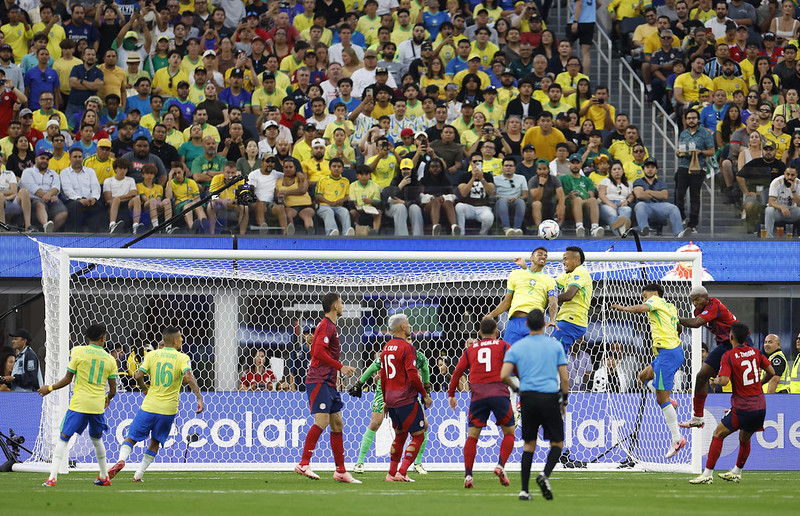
point(60, 321)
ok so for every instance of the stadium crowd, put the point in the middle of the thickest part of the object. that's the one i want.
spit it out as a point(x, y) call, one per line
point(735, 65)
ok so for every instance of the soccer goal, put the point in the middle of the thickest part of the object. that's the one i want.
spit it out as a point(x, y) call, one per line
point(239, 310)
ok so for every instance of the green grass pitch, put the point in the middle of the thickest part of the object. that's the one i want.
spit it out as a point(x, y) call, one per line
point(440, 494)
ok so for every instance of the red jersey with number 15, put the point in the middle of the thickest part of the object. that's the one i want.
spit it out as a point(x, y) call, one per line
point(718, 318)
point(484, 359)
point(742, 365)
point(400, 381)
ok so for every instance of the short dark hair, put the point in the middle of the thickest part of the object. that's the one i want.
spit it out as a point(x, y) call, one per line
point(328, 300)
point(654, 287)
point(576, 249)
point(488, 327)
point(95, 332)
point(535, 319)
point(540, 248)
point(739, 331)
point(169, 333)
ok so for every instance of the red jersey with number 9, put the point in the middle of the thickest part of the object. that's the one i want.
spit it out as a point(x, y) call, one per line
point(742, 365)
point(400, 379)
point(484, 359)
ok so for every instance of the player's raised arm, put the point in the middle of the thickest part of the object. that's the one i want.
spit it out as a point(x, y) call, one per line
point(190, 380)
point(691, 322)
point(44, 390)
point(502, 307)
point(568, 294)
point(634, 309)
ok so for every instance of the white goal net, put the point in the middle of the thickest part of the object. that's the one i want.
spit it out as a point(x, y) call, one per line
point(240, 309)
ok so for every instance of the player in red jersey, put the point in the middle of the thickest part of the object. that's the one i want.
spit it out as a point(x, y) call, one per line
point(712, 313)
point(400, 383)
point(484, 359)
point(740, 366)
point(323, 395)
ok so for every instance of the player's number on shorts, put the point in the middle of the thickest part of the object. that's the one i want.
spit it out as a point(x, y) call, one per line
point(388, 366)
point(97, 380)
point(163, 374)
point(750, 366)
point(485, 358)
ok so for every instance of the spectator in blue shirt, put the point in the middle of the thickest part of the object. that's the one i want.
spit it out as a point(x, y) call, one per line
point(699, 141)
point(651, 202)
point(433, 18)
point(714, 113)
point(85, 80)
point(41, 79)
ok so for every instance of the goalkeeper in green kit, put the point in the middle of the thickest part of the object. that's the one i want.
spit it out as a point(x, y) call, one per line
point(378, 410)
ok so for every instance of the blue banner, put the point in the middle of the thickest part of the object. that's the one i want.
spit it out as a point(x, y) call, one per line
point(270, 428)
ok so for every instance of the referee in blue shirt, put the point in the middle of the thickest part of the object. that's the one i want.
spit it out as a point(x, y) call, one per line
point(541, 366)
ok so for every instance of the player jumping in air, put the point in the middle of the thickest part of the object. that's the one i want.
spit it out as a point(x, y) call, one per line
point(664, 329)
point(378, 410)
point(527, 289)
point(400, 383)
point(712, 313)
point(168, 369)
point(484, 360)
point(740, 366)
point(92, 367)
point(323, 395)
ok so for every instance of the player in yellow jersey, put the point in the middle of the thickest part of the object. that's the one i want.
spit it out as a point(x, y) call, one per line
point(659, 376)
point(526, 289)
point(168, 369)
point(576, 283)
point(92, 367)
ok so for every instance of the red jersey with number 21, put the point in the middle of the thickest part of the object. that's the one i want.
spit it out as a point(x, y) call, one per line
point(484, 359)
point(742, 365)
point(400, 379)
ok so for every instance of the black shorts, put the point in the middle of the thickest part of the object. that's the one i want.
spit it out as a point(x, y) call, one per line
point(585, 33)
point(750, 421)
point(715, 355)
point(541, 409)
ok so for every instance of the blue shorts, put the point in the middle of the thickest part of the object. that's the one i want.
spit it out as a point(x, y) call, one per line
point(323, 398)
point(516, 329)
point(76, 422)
point(715, 355)
point(665, 365)
point(408, 418)
point(500, 406)
point(567, 333)
point(146, 424)
point(749, 421)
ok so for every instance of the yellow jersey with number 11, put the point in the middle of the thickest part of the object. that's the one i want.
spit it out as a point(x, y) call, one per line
point(576, 310)
point(166, 367)
point(92, 367)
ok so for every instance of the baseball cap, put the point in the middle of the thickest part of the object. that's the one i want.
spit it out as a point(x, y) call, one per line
point(650, 161)
point(257, 37)
point(528, 147)
point(769, 145)
point(25, 112)
point(318, 142)
point(104, 142)
point(490, 89)
point(468, 103)
point(270, 123)
point(21, 332)
point(53, 123)
point(742, 27)
point(39, 153)
point(575, 157)
point(267, 155)
point(183, 84)
point(381, 69)
point(768, 35)
point(407, 132)
point(310, 127)
point(237, 72)
point(601, 157)
point(208, 53)
point(451, 86)
point(370, 52)
point(162, 37)
point(542, 161)
point(474, 56)
point(134, 58)
point(200, 69)
point(132, 34)
point(268, 75)
point(420, 134)
point(426, 46)
point(6, 46)
point(406, 163)
point(562, 116)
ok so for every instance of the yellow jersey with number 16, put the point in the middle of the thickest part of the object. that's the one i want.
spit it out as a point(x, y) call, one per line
point(165, 367)
point(663, 318)
point(576, 310)
point(531, 290)
point(92, 367)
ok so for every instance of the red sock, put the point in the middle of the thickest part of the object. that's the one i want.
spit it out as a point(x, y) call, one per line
point(311, 442)
point(506, 447)
point(397, 452)
point(744, 452)
point(411, 452)
point(699, 402)
point(337, 447)
point(470, 449)
point(713, 452)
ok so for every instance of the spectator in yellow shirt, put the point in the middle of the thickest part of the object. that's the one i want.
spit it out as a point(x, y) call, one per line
point(17, 32)
point(365, 195)
point(598, 110)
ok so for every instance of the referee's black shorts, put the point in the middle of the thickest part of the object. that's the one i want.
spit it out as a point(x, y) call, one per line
point(541, 409)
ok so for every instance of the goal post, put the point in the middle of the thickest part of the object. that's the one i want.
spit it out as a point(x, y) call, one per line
point(237, 307)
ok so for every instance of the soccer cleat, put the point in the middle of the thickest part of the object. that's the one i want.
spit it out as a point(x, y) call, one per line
point(306, 472)
point(675, 447)
point(102, 481)
point(468, 483)
point(345, 478)
point(51, 482)
point(695, 422)
point(389, 478)
point(138, 479)
point(501, 474)
point(116, 468)
point(524, 495)
point(702, 479)
point(358, 468)
point(419, 468)
point(730, 476)
point(399, 477)
point(544, 485)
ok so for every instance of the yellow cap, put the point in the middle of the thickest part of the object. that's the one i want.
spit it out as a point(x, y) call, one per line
point(406, 163)
point(473, 56)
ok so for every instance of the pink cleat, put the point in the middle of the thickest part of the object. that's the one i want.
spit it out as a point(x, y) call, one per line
point(501, 474)
point(345, 478)
point(116, 468)
point(399, 477)
point(468, 482)
point(50, 483)
point(389, 478)
point(306, 472)
point(675, 447)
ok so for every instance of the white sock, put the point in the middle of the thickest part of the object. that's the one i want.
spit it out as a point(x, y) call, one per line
point(146, 461)
point(100, 451)
point(595, 226)
point(58, 454)
point(124, 452)
point(649, 386)
point(671, 417)
point(708, 472)
point(736, 470)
